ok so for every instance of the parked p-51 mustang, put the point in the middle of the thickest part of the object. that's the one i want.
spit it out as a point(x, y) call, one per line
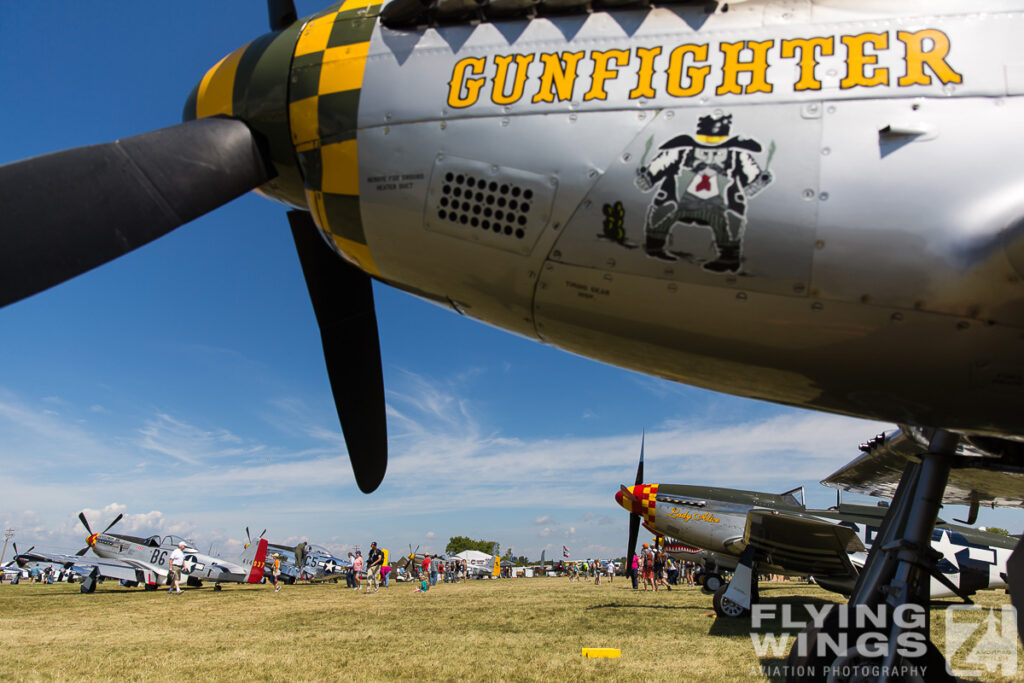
point(813, 202)
point(310, 563)
point(134, 560)
point(777, 534)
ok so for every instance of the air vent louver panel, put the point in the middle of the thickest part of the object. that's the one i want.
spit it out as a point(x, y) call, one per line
point(499, 206)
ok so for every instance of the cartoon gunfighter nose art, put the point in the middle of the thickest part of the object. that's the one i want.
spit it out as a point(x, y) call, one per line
point(704, 182)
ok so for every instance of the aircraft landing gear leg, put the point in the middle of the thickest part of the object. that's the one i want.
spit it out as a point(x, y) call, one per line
point(741, 590)
point(89, 583)
point(895, 583)
point(216, 587)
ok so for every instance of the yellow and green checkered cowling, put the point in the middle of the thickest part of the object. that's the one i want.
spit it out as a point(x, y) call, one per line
point(323, 106)
point(299, 88)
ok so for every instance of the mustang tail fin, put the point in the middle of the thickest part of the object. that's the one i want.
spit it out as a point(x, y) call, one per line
point(255, 557)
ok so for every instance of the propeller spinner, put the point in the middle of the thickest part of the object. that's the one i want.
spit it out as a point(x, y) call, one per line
point(90, 540)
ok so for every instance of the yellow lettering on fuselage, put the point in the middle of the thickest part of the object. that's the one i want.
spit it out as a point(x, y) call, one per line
point(467, 79)
point(559, 76)
point(645, 73)
point(694, 75)
point(734, 65)
point(858, 60)
point(603, 73)
point(807, 51)
point(742, 68)
point(918, 57)
point(693, 516)
point(501, 79)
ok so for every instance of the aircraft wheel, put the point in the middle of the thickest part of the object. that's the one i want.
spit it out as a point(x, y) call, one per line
point(150, 586)
point(217, 587)
point(712, 582)
point(810, 666)
point(725, 607)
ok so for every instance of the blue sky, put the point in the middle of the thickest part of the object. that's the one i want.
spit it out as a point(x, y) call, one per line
point(184, 384)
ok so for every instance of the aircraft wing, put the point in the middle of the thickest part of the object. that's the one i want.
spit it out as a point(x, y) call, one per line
point(981, 478)
point(802, 545)
point(108, 569)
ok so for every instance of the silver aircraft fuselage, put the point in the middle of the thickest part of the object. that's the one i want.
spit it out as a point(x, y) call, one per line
point(863, 167)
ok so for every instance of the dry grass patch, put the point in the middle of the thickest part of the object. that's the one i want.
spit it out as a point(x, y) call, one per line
point(523, 629)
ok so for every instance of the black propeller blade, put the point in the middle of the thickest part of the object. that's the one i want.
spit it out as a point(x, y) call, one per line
point(282, 14)
point(85, 522)
point(16, 554)
point(116, 520)
point(68, 212)
point(634, 519)
point(343, 302)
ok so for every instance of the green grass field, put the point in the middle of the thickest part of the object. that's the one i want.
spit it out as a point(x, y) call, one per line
point(521, 629)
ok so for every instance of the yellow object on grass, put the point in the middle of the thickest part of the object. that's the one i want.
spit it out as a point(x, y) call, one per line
point(601, 652)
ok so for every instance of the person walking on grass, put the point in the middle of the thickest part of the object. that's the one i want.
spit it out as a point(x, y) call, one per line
point(357, 568)
point(660, 576)
point(175, 564)
point(275, 571)
point(375, 559)
point(647, 567)
point(350, 581)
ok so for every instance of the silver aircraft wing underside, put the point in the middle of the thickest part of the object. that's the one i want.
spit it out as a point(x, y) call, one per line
point(979, 477)
point(108, 569)
point(802, 545)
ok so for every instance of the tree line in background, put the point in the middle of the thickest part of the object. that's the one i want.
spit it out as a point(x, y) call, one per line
point(456, 544)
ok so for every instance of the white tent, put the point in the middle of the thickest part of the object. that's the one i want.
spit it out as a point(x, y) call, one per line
point(474, 557)
point(477, 563)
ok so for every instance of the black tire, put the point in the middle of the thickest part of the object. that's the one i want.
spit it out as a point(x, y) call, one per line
point(712, 582)
point(727, 608)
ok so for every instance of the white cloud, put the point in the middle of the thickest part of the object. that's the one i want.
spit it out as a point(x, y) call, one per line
point(190, 444)
point(211, 482)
